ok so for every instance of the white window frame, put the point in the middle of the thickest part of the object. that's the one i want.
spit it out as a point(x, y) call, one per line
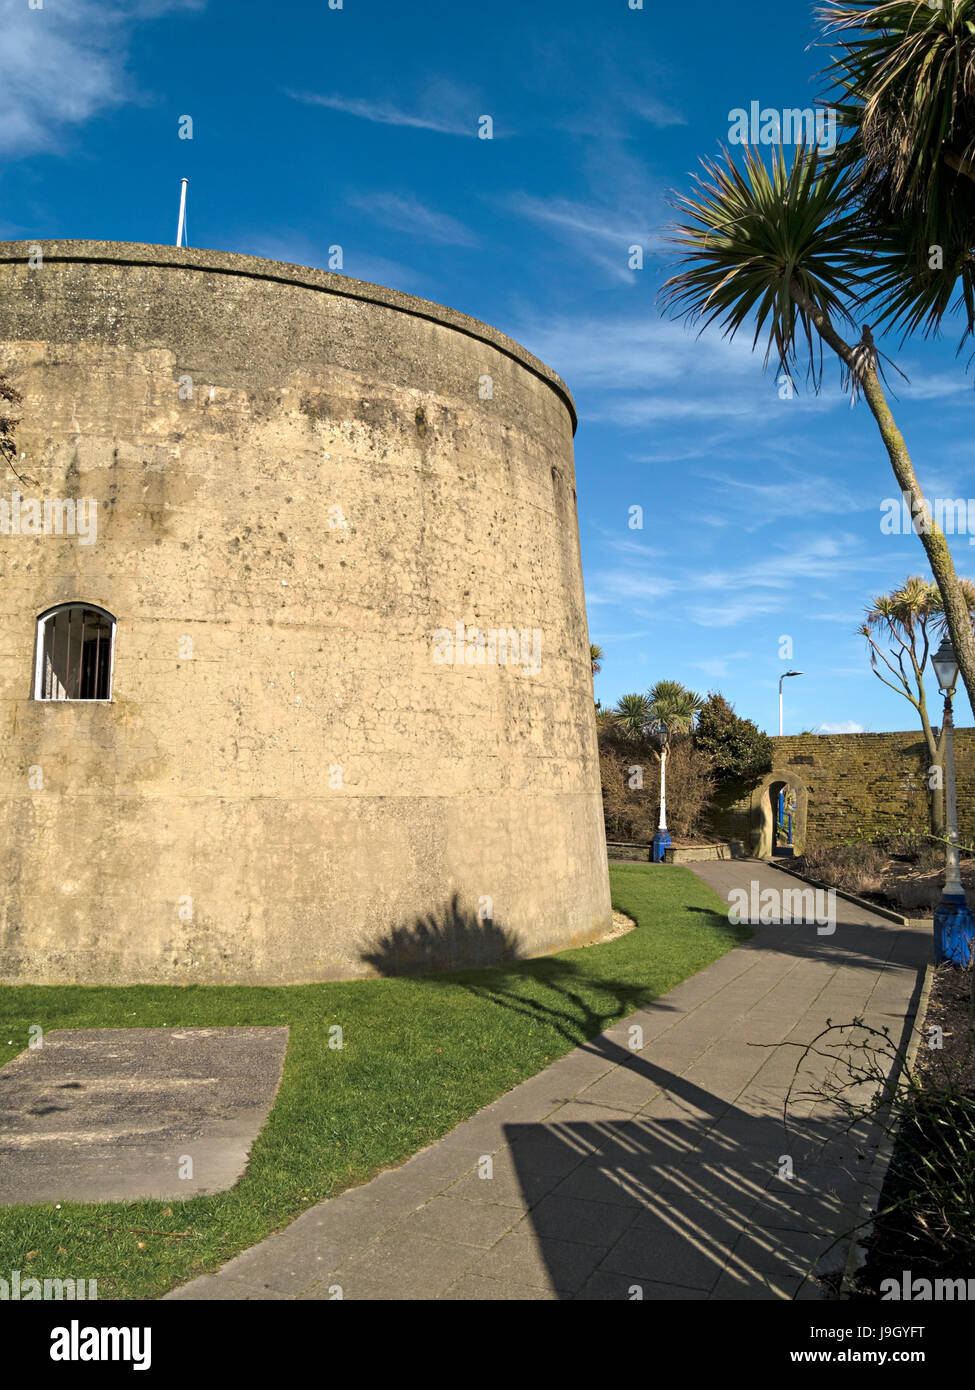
point(42, 621)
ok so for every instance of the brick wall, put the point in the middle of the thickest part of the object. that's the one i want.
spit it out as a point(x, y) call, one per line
point(872, 783)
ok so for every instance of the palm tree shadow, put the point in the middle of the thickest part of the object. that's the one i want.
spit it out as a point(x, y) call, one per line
point(696, 1194)
point(668, 1197)
point(450, 938)
point(452, 946)
point(549, 989)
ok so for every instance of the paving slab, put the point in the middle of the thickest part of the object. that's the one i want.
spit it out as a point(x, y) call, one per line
point(619, 1174)
point(404, 1264)
point(475, 1288)
point(121, 1114)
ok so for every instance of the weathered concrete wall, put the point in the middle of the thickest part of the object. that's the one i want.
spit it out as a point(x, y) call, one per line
point(852, 786)
point(339, 487)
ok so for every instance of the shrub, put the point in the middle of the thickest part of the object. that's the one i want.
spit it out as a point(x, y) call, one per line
point(628, 812)
point(927, 855)
point(912, 893)
point(925, 1217)
point(690, 788)
point(856, 868)
point(736, 748)
point(632, 813)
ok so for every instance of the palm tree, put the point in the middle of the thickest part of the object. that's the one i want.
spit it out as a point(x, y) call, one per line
point(905, 78)
point(596, 657)
point(786, 248)
point(904, 617)
point(632, 717)
point(672, 710)
point(667, 710)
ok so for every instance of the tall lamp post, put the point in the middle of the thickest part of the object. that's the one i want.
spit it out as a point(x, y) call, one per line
point(662, 838)
point(781, 679)
point(954, 929)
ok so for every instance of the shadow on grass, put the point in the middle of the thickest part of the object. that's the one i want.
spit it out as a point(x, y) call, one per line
point(559, 992)
point(452, 947)
point(686, 1194)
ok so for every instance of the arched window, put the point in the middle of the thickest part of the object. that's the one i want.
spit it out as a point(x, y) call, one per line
point(75, 650)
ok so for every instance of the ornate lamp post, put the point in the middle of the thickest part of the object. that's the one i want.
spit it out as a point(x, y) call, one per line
point(954, 929)
point(662, 838)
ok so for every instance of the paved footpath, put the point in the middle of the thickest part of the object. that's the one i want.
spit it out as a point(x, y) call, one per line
point(616, 1173)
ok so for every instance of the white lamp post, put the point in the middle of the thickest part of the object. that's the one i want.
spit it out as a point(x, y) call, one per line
point(954, 929)
point(781, 679)
point(662, 838)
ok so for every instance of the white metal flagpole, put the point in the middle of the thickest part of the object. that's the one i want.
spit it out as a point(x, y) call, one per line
point(181, 229)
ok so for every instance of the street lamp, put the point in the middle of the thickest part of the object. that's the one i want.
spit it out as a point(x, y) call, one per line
point(661, 840)
point(954, 929)
point(781, 679)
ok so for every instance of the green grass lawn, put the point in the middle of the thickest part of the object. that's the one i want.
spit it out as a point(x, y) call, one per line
point(419, 1056)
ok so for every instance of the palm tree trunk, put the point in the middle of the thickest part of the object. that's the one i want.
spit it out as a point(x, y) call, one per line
point(936, 792)
point(936, 754)
point(932, 537)
point(938, 821)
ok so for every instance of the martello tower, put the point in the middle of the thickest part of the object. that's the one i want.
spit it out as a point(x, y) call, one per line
point(294, 648)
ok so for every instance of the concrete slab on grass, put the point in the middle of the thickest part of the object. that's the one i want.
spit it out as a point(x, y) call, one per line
point(113, 1114)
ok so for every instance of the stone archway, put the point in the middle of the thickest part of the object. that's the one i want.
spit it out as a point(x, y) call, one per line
point(763, 802)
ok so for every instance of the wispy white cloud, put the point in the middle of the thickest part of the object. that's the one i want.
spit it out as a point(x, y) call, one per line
point(793, 493)
point(657, 113)
point(717, 666)
point(734, 593)
point(823, 557)
point(652, 370)
point(845, 726)
point(625, 352)
point(628, 547)
point(63, 64)
point(380, 270)
point(622, 207)
point(601, 235)
point(777, 581)
point(632, 411)
point(617, 226)
point(629, 586)
point(937, 481)
point(731, 612)
point(934, 386)
point(626, 90)
point(443, 107)
point(601, 636)
point(407, 214)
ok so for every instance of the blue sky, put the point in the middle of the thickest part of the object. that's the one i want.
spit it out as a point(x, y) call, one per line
point(315, 127)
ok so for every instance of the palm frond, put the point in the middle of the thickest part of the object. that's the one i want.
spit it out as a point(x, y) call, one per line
point(904, 80)
point(907, 69)
point(673, 709)
point(913, 284)
point(756, 233)
point(631, 715)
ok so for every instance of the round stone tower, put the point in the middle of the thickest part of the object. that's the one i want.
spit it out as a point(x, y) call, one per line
point(294, 664)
